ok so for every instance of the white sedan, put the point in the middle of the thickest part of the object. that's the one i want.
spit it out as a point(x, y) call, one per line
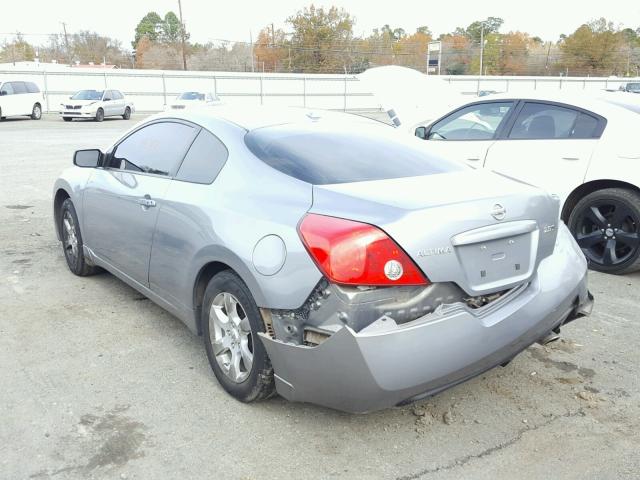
point(583, 149)
point(96, 105)
point(192, 99)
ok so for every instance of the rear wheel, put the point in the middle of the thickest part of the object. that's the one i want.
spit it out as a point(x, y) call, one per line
point(231, 321)
point(127, 113)
point(36, 112)
point(72, 241)
point(99, 115)
point(606, 225)
point(67, 119)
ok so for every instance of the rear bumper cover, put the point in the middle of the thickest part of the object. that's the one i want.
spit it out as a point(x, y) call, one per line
point(387, 364)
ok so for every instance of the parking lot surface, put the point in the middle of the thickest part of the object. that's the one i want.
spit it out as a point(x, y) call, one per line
point(98, 382)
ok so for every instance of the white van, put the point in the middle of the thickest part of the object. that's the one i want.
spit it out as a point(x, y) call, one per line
point(20, 98)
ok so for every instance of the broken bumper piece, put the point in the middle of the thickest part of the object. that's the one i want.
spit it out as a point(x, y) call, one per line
point(386, 364)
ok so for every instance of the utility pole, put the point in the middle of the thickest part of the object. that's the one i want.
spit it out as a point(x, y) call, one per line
point(66, 42)
point(182, 34)
point(481, 46)
point(251, 42)
point(273, 36)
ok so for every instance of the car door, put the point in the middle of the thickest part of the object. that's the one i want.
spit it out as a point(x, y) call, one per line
point(122, 198)
point(183, 227)
point(467, 133)
point(118, 103)
point(108, 103)
point(548, 145)
point(23, 104)
point(8, 100)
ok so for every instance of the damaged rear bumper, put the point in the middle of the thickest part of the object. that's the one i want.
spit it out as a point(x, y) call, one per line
point(386, 364)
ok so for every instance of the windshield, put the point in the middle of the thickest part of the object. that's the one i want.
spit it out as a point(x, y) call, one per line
point(633, 87)
point(323, 157)
point(191, 96)
point(88, 95)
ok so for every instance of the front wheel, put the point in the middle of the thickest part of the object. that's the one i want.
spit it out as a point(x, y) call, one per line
point(99, 115)
point(67, 119)
point(69, 228)
point(36, 112)
point(230, 323)
point(127, 113)
point(606, 225)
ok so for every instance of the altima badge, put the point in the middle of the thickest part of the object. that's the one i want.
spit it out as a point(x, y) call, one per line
point(498, 212)
point(428, 252)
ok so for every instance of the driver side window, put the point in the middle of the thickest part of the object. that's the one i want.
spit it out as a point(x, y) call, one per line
point(156, 149)
point(475, 122)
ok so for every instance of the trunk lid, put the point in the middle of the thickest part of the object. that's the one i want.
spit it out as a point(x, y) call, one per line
point(480, 230)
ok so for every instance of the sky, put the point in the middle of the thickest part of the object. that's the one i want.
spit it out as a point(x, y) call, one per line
point(233, 20)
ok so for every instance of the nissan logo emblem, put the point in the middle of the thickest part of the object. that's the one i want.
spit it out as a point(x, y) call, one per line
point(498, 212)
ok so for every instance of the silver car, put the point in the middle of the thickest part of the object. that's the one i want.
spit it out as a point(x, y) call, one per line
point(323, 256)
point(96, 105)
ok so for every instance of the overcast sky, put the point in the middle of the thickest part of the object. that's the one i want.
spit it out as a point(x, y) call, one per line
point(232, 20)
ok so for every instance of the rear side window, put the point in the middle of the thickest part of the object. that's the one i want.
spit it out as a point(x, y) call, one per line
point(545, 121)
point(323, 157)
point(157, 149)
point(19, 87)
point(32, 87)
point(204, 160)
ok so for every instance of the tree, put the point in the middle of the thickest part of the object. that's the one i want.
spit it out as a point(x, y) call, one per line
point(149, 27)
point(321, 39)
point(90, 47)
point(172, 29)
point(595, 48)
point(271, 50)
point(490, 25)
point(19, 50)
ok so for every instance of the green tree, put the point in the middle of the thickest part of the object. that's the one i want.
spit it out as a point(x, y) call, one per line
point(171, 29)
point(321, 39)
point(150, 26)
point(490, 25)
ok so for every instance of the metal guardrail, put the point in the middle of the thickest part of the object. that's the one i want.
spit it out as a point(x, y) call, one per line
point(340, 90)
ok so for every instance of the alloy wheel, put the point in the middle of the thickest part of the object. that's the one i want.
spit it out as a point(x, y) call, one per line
point(69, 237)
point(230, 337)
point(608, 233)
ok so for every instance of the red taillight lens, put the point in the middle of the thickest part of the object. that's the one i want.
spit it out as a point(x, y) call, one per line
point(354, 253)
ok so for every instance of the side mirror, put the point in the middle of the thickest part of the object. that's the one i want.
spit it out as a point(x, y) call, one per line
point(421, 132)
point(87, 158)
point(107, 99)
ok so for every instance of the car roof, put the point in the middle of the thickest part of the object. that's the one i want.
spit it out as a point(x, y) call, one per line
point(251, 118)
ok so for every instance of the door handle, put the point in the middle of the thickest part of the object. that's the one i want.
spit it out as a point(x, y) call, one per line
point(147, 202)
point(572, 159)
point(474, 159)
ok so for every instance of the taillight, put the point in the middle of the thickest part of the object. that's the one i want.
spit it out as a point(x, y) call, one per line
point(354, 253)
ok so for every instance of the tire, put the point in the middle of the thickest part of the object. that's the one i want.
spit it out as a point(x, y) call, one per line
point(67, 119)
point(100, 115)
point(73, 252)
point(127, 113)
point(36, 112)
point(256, 382)
point(606, 225)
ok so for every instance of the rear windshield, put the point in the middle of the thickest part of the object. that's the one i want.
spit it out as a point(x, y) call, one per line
point(322, 157)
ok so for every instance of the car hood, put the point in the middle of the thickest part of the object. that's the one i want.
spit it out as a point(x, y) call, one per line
point(80, 102)
point(411, 97)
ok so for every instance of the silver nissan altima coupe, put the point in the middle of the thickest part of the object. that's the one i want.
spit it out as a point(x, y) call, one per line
point(322, 256)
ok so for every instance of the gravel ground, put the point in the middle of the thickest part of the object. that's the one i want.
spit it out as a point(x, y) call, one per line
point(98, 382)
